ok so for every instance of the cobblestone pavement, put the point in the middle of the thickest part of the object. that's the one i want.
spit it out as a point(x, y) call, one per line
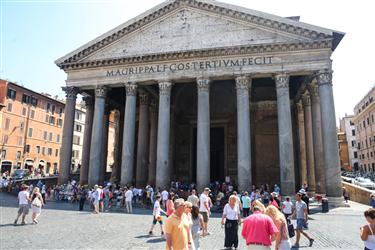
point(61, 226)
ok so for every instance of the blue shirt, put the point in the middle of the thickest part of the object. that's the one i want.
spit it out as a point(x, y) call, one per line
point(245, 201)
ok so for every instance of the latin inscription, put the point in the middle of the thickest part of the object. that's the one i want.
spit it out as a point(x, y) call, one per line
point(195, 65)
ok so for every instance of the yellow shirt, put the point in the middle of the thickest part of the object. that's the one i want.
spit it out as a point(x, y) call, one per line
point(178, 228)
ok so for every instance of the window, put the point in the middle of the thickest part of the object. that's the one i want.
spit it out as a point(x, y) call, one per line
point(78, 116)
point(59, 123)
point(43, 150)
point(30, 132)
point(78, 128)
point(61, 111)
point(34, 101)
point(19, 141)
point(353, 143)
point(76, 140)
point(368, 120)
point(353, 132)
point(32, 114)
point(50, 136)
point(47, 118)
point(27, 148)
point(49, 151)
point(48, 107)
point(3, 154)
point(58, 138)
point(355, 155)
point(24, 111)
point(75, 154)
point(38, 149)
point(11, 94)
point(7, 124)
point(372, 118)
point(364, 124)
point(9, 107)
point(371, 154)
point(22, 126)
point(56, 152)
point(45, 134)
point(351, 123)
point(52, 120)
point(53, 109)
point(26, 98)
point(18, 155)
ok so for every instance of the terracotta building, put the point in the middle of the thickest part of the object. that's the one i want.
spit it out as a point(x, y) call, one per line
point(343, 151)
point(364, 120)
point(31, 129)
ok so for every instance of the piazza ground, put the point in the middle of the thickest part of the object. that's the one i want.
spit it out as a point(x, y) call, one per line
point(61, 226)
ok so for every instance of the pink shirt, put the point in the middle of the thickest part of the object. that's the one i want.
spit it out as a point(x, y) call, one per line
point(258, 228)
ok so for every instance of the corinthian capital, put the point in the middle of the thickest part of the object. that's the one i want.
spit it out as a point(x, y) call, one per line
point(306, 100)
point(324, 77)
point(143, 98)
point(203, 84)
point(313, 90)
point(131, 89)
point(243, 82)
point(101, 91)
point(282, 80)
point(165, 88)
point(71, 92)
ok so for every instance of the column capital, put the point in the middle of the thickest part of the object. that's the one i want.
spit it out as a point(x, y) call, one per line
point(243, 82)
point(165, 88)
point(71, 92)
point(89, 101)
point(203, 84)
point(101, 91)
point(306, 100)
point(143, 98)
point(324, 77)
point(131, 88)
point(313, 89)
point(299, 107)
point(281, 80)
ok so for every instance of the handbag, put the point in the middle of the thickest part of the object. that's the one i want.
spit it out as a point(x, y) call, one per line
point(291, 230)
point(36, 202)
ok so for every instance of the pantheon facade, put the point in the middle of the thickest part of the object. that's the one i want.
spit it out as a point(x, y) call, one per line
point(204, 91)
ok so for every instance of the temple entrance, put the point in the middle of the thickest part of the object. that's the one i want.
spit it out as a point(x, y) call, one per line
point(217, 154)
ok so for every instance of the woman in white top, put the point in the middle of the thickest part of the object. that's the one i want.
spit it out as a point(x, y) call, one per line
point(231, 219)
point(36, 204)
point(367, 231)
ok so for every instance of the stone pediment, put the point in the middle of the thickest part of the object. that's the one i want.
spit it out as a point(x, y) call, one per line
point(190, 29)
point(190, 25)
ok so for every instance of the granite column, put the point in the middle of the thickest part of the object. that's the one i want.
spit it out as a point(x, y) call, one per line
point(153, 141)
point(243, 84)
point(127, 163)
point(67, 136)
point(302, 143)
point(286, 156)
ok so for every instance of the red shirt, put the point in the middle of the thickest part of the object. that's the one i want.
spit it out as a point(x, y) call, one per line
point(258, 228)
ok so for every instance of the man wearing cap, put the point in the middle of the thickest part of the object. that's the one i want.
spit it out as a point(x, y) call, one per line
point(23, 201)
point(305, 198)
point(204, 209)
point(177, 228)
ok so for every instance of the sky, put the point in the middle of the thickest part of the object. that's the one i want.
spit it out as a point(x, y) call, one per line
point(33, 34)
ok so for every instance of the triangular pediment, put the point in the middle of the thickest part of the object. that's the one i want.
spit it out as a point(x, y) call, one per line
point(184, 25)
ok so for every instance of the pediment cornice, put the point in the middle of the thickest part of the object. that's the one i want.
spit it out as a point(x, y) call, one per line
point(227, 51)
point(264, 20)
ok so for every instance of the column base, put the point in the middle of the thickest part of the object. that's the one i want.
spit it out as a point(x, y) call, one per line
point(334, 202)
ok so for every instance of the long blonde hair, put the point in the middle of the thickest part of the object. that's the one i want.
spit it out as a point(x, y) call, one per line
point(36, 190)
point(259, 204)
point(274, 213)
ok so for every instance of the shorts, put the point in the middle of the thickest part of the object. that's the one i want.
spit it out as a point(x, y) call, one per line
point(301, 224)
point(205, 216)
point(159, 219)
point(23, 209)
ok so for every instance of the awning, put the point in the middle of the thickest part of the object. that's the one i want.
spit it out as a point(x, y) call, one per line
point(29, 163)
point(42, 163)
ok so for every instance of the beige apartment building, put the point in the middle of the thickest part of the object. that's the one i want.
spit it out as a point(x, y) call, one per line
point(364, 120)
point(31, 129)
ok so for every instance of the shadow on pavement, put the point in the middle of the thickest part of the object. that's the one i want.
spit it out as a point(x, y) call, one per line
point(156, 240)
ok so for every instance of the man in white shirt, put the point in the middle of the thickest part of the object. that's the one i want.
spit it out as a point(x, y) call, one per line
point(23, 201)
point(164, 196)
point(204, 209)
point(193, 198)
point(128, 200)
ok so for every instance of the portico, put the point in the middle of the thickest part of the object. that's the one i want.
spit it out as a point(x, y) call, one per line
point(209, 91)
